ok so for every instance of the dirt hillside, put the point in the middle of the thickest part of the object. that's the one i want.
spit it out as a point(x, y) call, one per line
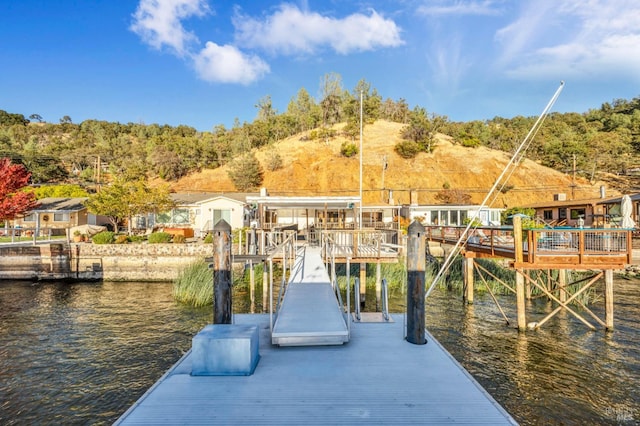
point(317, 168)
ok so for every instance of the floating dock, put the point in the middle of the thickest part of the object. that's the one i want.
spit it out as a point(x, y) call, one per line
point(375, 378)
point(315, 368)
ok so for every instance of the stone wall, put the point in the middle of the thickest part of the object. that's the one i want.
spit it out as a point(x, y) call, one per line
point(108, 262)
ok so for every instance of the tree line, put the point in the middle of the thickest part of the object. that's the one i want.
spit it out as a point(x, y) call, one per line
point(606, 139)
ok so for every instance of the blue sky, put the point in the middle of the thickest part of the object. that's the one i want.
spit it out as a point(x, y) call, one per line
point(203, 62)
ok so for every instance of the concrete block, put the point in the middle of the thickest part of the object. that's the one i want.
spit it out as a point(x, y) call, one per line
point(225, 350)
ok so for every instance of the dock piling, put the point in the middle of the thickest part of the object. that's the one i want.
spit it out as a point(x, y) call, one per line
point(416, 259)
point(222, 273)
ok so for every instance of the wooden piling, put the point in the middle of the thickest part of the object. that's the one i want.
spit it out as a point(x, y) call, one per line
point(468, 280)
point(222, 273)
point(562, 284)
point(520, 290)
point(416, 260)
point(608, 299)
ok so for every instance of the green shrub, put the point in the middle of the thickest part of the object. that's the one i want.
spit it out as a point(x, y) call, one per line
point(348, 149)
point(137, 238)
point(104, 237)
point(208, 239)
point(159, 238)
point(407, 149)
point(471, 142)
point(179, 239)
point(122, 239)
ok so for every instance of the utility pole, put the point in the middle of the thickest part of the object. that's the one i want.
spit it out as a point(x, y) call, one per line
point(573, 179)
point(384, 168)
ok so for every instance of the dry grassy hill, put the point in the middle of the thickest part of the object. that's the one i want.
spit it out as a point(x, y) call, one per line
point(316, 167)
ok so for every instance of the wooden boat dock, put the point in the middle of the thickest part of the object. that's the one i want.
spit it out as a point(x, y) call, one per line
point(372, 375)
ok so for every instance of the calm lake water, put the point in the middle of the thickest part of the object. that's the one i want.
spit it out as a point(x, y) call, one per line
point(83, 353)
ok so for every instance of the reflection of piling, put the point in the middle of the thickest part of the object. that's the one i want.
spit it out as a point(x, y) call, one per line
point(416, 284)
point(222, 273)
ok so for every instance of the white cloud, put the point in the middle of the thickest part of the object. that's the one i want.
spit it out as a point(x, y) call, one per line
point(227, 64)
point(158, 22)
point(460, 7)
point(593, 38)
point(292, 31)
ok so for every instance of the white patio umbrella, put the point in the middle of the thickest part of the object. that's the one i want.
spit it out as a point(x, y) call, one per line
point(626, 208)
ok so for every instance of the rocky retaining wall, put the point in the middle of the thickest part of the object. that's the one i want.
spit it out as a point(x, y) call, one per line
point(108, 262)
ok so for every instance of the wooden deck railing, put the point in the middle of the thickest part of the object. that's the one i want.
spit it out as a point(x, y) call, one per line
point(559, 246)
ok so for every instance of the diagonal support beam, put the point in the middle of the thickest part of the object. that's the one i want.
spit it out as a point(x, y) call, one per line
point(565, 304)
point(491, 292)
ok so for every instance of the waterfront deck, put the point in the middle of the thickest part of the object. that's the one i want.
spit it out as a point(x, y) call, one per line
point(375, 378)
point(559, 248)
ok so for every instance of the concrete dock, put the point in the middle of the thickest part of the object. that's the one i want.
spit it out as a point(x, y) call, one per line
point(375, 378)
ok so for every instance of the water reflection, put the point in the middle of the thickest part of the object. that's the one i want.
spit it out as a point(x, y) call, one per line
point(83, 353)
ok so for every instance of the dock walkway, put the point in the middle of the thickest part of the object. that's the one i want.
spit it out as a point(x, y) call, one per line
point(310, 314)
point(375, 378)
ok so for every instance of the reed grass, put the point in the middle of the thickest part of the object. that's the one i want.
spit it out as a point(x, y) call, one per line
point(194, 284)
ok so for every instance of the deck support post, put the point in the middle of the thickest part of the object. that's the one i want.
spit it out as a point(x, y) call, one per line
point(378, 285)
point(468, 280)
point(520, 301)
point(520, 289)
point(416, 259)
point(562, 284)
point(608, 298)
point(363, 284)
point(222, 273)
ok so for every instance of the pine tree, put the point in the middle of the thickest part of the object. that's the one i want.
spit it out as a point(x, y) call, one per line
point(246, 172)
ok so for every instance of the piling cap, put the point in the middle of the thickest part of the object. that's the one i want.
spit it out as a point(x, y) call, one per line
point(222, 226)
point(415, 228)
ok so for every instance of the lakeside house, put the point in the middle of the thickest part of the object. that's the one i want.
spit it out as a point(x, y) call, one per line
point(199, 212)
point(561, 212)
point(612, 207)
point(55, 215)
point(590, 212)
point(314, 212)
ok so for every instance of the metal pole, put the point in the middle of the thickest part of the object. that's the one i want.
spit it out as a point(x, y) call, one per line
point(416, 284)
point(360, 214)
point(222, 273)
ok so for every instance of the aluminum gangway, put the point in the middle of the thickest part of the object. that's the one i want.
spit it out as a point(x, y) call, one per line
point(309, 314)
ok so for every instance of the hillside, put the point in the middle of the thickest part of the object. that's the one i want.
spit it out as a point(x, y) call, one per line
point(316, 167)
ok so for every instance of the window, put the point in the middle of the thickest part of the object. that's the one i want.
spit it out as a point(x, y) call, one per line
point(181, 216)
point(434, 217)
point(453, 217)
point(547, 214)
point(61, 217)
point(221, 214)
point(29, 218)
point(577, 213)
point(175, 216)
point(562, 213)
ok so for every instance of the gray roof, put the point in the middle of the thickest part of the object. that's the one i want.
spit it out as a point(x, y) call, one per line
point(60, 204)
point(199, 197)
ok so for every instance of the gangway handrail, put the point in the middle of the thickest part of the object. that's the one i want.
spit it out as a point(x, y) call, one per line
point(385, 299)
point(356, 290)
point(288, 243)
point(329, 247)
